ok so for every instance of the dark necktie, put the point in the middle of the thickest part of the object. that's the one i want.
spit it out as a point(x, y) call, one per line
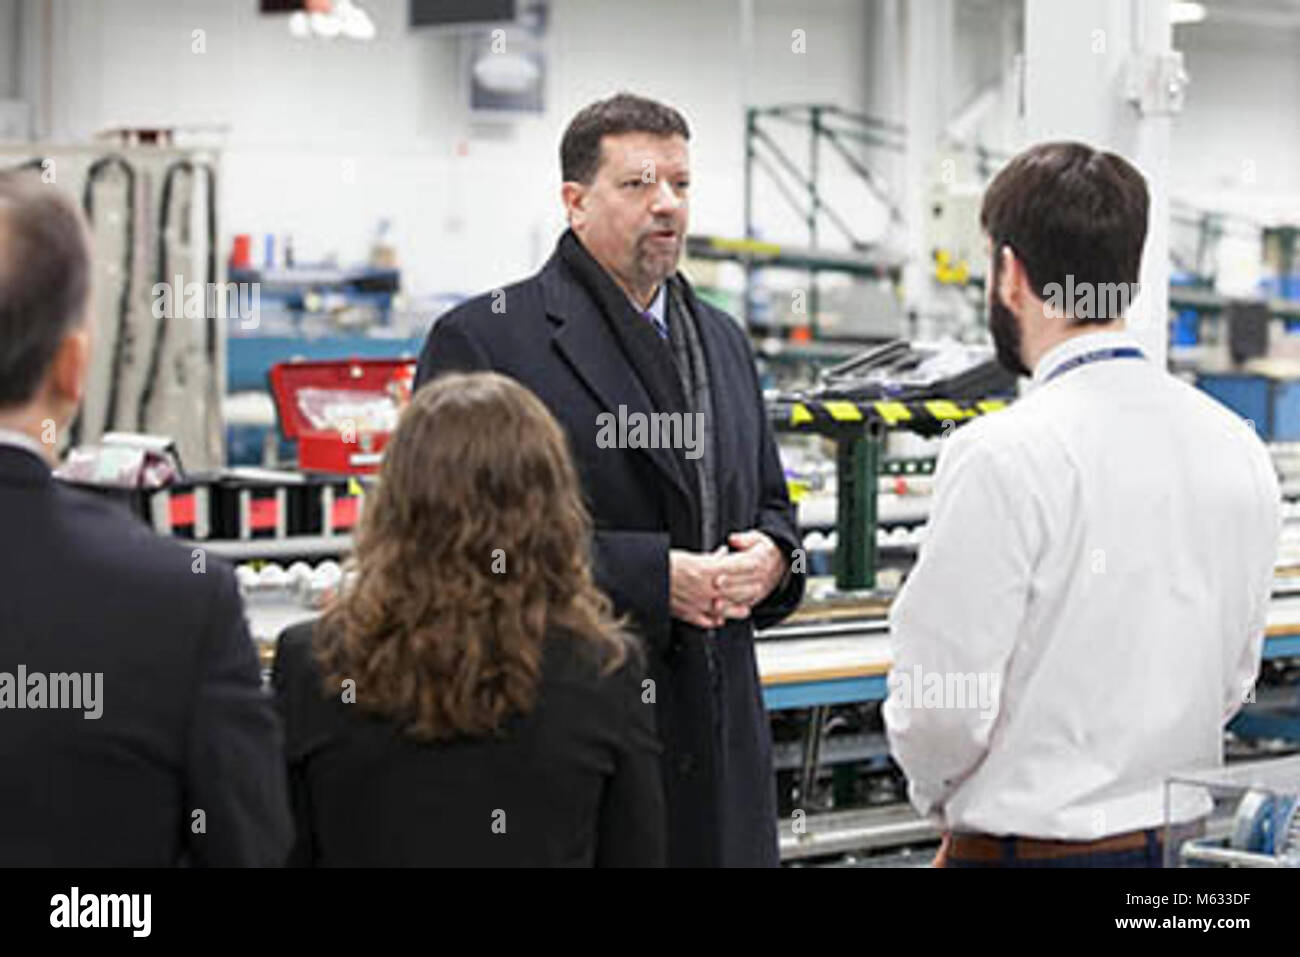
point(661, 327)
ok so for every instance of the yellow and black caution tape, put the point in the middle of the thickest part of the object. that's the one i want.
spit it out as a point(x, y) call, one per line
point(837, 415)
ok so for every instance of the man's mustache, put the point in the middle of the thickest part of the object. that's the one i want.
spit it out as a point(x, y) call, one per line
point(660, 227)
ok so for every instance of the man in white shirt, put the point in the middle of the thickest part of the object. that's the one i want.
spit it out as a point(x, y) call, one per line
point(1089, 605)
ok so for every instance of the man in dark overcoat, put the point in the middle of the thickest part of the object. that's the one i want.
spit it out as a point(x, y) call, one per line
point(695, 537)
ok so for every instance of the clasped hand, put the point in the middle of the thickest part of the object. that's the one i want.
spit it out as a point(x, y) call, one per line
point(707, 588)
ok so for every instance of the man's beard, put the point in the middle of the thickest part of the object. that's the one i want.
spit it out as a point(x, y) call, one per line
point(655, 265)
point(1005, 331)
point(1006, 338)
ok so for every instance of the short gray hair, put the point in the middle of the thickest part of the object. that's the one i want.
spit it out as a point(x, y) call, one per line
point(44, 279)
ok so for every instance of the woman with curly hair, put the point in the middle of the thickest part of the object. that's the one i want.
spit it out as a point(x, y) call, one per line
point(468, 698)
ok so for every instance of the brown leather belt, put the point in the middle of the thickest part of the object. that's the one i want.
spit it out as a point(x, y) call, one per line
point(984, 847)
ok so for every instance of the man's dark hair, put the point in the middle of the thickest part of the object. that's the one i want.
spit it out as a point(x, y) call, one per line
point(1068, 209)
point(44, 280)
point(621, 113)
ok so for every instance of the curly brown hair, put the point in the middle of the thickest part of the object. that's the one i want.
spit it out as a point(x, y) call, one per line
point(472, 551)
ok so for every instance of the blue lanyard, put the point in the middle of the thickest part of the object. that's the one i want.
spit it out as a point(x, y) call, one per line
point(1098, 355)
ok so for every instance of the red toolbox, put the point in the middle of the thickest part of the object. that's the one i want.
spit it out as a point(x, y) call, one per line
point(341, 411)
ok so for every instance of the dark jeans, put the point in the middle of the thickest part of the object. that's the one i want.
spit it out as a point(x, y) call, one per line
point(1149, 856)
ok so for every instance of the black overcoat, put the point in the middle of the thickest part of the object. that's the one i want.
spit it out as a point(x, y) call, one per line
point(548, 333)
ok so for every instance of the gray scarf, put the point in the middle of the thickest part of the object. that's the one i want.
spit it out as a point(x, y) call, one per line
point(688, 357)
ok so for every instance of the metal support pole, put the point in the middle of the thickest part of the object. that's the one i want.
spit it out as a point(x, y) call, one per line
point(812, 748)
point(1104, 73)
point(814, 207)
point(857, 465)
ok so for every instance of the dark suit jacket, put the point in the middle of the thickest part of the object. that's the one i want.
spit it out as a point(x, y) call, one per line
point(573, 783)
point(185, 724)
point(554, 339)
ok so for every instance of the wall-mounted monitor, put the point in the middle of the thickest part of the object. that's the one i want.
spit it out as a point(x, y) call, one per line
point(504, 82)
point(442, 13)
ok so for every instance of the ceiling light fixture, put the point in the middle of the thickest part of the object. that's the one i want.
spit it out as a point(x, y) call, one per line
point(342, 18)
point(1183, 12)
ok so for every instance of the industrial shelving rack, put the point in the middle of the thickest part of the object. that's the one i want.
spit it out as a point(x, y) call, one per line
point(827, 126)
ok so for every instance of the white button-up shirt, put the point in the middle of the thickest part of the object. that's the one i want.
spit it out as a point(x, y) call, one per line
point(658, 308)
point(1089, 604)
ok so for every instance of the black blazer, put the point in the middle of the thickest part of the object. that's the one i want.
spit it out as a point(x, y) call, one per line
point(553, 338)
point(573, 783)
point(185, 725)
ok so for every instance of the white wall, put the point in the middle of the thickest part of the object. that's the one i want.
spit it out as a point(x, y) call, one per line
point(1237, 144)
point(325, 138)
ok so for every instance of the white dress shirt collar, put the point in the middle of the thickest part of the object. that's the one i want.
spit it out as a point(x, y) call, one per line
point(21, 440)
point(1077, 346)
point(657, 305)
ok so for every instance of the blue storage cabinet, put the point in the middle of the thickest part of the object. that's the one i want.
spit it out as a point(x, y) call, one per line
point(1250, 396)
point(1286, 411)
point(1272, 404)
point(249, 360)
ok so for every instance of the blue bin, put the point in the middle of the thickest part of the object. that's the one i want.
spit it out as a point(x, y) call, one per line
point(1250, 396)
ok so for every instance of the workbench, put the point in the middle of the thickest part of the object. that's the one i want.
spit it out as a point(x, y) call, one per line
point(818, 658)
point(848, 661)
